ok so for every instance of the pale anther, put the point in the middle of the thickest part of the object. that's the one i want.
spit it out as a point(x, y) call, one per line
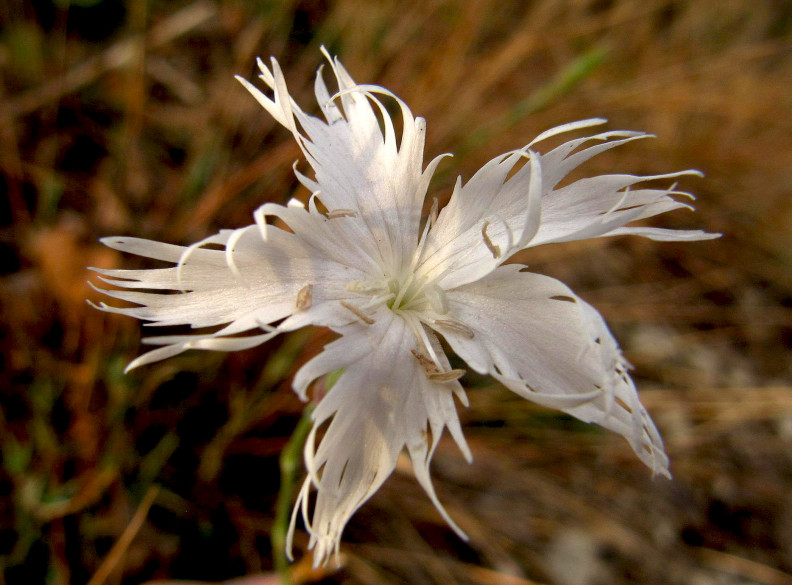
point(494, 249)
point(427, 364)
point(364, 287)
point(433, 373)
point(456, 327)
point(357, 312)
point(445, 377)
point(433, 211)
point(335, 213)
point(304, 298)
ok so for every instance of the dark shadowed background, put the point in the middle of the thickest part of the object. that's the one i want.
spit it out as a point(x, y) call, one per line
point(123, 118)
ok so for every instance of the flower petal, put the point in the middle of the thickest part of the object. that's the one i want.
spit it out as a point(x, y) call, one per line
point(485, 222)
point(504, 208)
point(543, 342)
point(246, 287)
point(601, 206)
point(382, 403)
point(359, 166)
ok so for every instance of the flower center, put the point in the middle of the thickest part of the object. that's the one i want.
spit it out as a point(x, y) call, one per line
point(416, 294)
point(406, 294)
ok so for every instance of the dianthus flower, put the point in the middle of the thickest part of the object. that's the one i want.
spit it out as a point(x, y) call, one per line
point(357, 260)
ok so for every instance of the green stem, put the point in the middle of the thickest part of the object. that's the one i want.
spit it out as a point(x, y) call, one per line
point(290, 463)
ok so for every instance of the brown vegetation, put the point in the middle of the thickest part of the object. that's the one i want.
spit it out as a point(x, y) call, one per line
point(124, 118)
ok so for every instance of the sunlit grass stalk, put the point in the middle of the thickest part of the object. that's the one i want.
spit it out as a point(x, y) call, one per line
point(544, 96)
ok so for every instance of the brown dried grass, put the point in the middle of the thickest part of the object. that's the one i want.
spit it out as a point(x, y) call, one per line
point(145, 132)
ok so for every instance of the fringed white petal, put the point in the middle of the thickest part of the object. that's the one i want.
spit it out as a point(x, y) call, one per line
point(485, 222)
point(601, 206)
point(546, 344)
point(563, 159)
point(335, 239)
point(664, 235)
point(246, 287)
point(357, 165)
point(505, 208)
point(381, 404)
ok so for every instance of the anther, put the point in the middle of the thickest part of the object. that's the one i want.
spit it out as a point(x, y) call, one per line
point(456, 327)
point(427, 364)
point(446, 377)
point(357, 312)
point(335, 213)
point(495, 250)
point(304, 298)
point(364, 287)
point(433, 211)
point(434, 374)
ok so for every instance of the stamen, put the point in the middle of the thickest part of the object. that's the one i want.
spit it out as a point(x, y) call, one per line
point(446, 377)
point(404, 288)
point(495, 250)
point(376, 300)
point(421, 330)
point(456, 327)
point(433, 212)
point(427, 364)
point(433, 373)
point(364, 287)
point(335, 213)
point(357, 312)
point(304, 298)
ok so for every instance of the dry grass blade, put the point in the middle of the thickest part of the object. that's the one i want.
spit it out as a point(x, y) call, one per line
point(124, 118)
point(116, 553)
point(745, 568)
point(115, 57)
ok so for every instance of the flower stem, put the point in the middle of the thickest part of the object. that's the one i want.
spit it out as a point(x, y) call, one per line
point(290, 461)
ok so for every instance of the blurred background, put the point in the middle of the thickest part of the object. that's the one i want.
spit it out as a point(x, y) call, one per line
point(122, 117)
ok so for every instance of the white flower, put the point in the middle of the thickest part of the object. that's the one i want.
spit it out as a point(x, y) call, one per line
point(358, 261)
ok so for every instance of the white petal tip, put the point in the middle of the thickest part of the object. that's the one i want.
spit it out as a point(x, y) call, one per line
point(93, 304)
point(468, 455)
point(131, 366)
point(112, 241)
